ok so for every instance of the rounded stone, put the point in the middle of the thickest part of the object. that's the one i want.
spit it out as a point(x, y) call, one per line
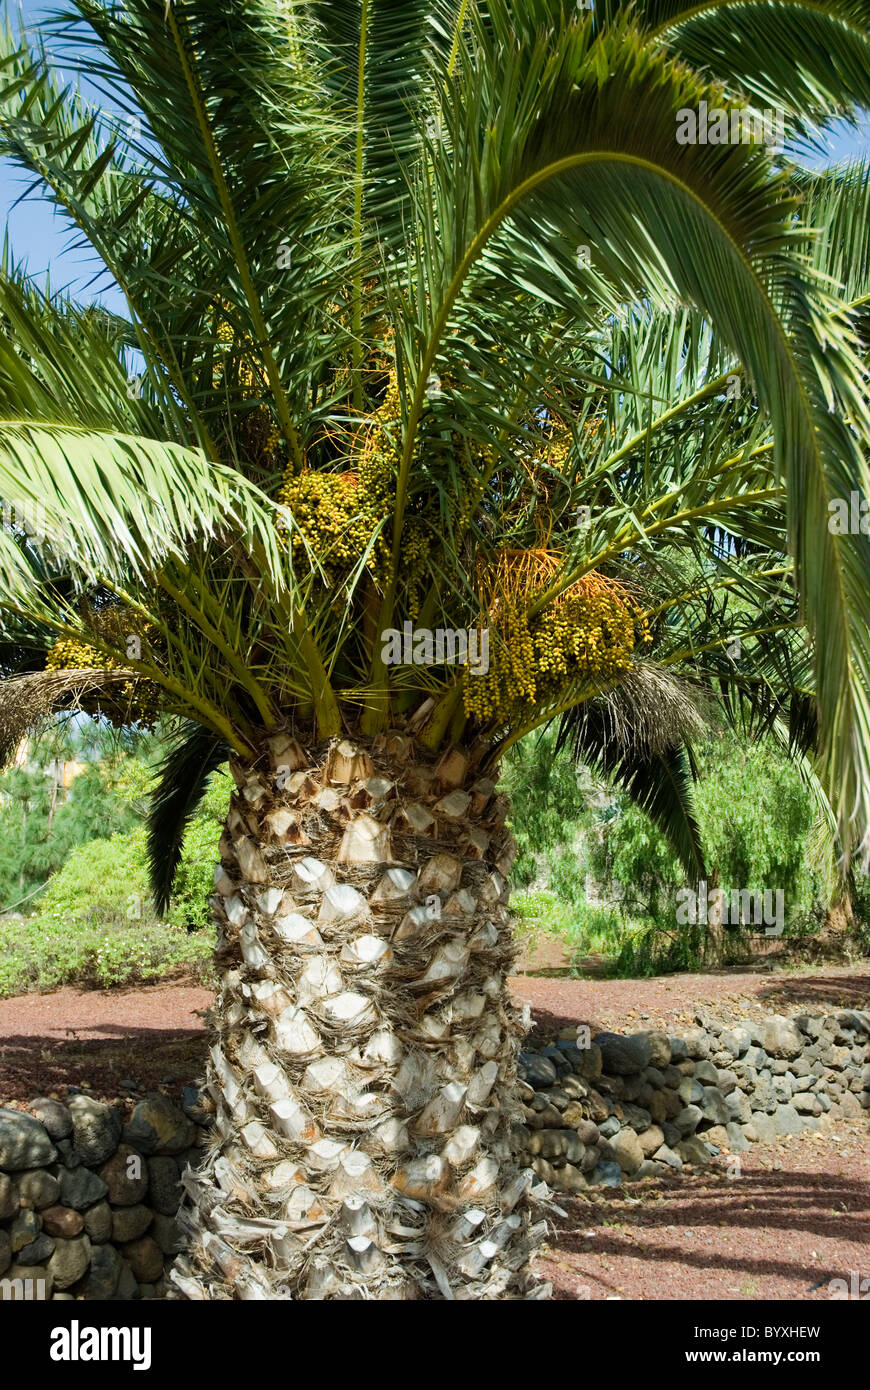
point(98, 1222)
point(69, 1261)
point(62, 1221)
point(666, 1156)
point(688, 1119)
point(55, 1117)
point(607, 1174)
point(538, 1071)
point(37, 1189)
point(706, 1073)
point(636, 1117)
point(693, 1150)
point(126, 1177)
point(626, 1149)
point(103, 1274)
point(588, 1132)
point(691, 1092)
point(588, 1066)
point(5, 1251)
point(660, 1049)
point(713, 1106)
point(158, 1126)
point(80, 1188)
point(737, 1141)
point(780, 1037)
point(25, 1228)
point(697, 1043)
point(658, 1107)
point(650, 1140)
point(570, 1179)
point(164, 1186)
point(37, 1252)
point(716, 1134)
point(167, 1234)
point(145, 1258)
point(24, 1142)
point(127, 1285)
point(96, 1129)
point(624, 1055)
point(128, 1223)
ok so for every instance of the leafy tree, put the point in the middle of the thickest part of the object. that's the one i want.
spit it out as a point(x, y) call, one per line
point(438, 322)
point(41, 823)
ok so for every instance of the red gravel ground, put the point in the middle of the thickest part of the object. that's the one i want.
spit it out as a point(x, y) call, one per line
point(779, 1225)
point(792, 1217)
point(95, 1039)
point(789, 1219)
point(671, 1001)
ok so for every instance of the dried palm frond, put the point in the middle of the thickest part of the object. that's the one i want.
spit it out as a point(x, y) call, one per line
point(26, 701)
point(650, 711)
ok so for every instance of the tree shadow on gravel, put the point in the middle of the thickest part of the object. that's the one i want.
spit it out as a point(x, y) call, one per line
point(31, 1065)
point(820, 992)
point(679, 1231)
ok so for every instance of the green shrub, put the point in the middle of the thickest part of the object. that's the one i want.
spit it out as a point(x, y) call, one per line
point(51, 950)
point(585, 929)
point(102, 881)
point(756, 821)
point(96, 927)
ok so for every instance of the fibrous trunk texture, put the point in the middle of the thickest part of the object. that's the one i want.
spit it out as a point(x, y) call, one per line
point(363, 1057)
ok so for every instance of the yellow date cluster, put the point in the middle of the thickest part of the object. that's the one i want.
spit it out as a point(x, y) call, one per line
point(334, 521)
point(130, 702)
point(336, 514)
point(588, 634)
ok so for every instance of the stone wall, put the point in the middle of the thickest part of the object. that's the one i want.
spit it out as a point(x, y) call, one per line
point(626, 1108)
point(88, 1198)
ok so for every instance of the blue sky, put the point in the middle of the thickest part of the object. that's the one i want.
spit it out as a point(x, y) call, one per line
point(43, 238)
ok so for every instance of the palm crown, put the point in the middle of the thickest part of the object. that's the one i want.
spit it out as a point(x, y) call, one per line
point(440, 327)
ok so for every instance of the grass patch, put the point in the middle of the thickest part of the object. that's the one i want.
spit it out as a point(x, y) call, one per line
point(584, 929)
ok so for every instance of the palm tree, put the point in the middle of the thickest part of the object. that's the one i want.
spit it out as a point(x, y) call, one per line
point(434, 329)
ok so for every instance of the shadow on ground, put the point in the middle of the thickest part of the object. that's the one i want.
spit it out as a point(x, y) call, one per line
point(31, 1065)
point(685, 1223)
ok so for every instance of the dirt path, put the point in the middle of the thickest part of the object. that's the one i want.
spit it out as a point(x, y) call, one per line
point(795, 1216)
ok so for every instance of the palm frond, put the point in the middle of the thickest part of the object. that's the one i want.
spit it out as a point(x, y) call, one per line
point(182, 780)
point(810, 58)
point(651, 761)
point(27, 701)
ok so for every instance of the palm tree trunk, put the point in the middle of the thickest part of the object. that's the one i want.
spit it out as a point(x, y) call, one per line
point(363, 1057)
